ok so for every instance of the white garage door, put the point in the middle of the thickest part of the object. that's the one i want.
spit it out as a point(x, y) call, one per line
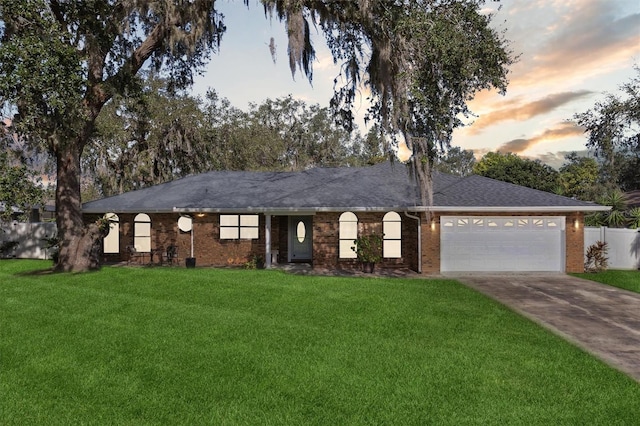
point(518, 243)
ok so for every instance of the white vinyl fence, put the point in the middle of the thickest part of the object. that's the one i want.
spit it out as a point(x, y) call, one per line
point(623, 245)
point(30, 238)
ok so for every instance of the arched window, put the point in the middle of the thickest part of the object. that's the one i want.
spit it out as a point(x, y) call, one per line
point(142, 233)
point(348, 232)
point(392, 230)
point(111, 243)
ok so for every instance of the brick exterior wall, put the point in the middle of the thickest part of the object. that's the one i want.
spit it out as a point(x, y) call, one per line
point(574, 238)
point(326, 241)
point(210, 250)
point(430, 243)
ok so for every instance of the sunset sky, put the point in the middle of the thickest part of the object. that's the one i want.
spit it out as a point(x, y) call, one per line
point(571, 52)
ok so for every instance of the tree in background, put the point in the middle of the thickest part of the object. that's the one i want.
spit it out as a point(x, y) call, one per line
point(369, 150)
point(520, 171)
point(301, 135)
point(455, 161)
point(627, 162)
point(147, 139)
point(19, 186)
point(613, 128)
point(157, 136)
point(580, 178)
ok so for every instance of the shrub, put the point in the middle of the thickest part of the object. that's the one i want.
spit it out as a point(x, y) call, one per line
point(256, 262)
point(368, 248)
point(6, 248)
point(596, 258)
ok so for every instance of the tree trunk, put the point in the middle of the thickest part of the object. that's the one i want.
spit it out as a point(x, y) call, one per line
point(76, 241)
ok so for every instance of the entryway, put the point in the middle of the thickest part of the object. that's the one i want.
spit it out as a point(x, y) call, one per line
point(300, 238)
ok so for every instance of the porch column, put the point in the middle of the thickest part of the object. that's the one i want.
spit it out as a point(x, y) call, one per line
point(267, 241)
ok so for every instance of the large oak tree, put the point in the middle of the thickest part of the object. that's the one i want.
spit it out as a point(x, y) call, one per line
point(62, 61)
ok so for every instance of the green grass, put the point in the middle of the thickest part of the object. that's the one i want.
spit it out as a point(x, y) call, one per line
point(204, 346)
point(628, 280)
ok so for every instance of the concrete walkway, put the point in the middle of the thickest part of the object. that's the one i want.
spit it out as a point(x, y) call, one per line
point(603, 320)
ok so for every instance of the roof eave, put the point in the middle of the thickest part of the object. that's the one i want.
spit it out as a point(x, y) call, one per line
point(514, 209)
point(313, 210)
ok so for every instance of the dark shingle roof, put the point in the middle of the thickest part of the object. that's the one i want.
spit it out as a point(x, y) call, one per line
point(384, 186)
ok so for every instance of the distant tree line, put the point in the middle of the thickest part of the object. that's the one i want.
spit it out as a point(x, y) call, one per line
point(159, 135)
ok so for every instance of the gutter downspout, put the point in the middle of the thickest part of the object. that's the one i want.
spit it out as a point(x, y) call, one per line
point(419, 239)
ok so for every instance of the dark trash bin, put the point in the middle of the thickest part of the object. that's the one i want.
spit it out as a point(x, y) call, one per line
point(191, 262)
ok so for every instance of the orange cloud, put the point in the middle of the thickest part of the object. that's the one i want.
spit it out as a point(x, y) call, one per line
point(560, 131)
point(513, 110)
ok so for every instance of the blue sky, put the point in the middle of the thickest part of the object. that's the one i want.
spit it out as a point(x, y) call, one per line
point(571, 52)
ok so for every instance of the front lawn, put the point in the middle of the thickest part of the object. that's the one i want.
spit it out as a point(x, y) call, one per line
point(628, 280)
point(204, 346)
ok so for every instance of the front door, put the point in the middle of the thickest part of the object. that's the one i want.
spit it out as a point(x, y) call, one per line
point(300, 238)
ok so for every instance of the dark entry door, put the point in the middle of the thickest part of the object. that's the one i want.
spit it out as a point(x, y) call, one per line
point(300, 238)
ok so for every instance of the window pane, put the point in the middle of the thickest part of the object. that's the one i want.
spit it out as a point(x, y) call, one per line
point(228, 220)
point(391, 217)
point(142, 217)
point(249, 233)
point(143, 244)
point(345, 249)
point(348, 217)
point(249, 220)
point(111, 243)
point(229, 233)
point(348, 230)
point(391, 249)
point(301, 232)
point(112, 240)
point(392, 230)
point(142, 229)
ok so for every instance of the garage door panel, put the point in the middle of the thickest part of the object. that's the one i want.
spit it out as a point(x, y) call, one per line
point(502, 244)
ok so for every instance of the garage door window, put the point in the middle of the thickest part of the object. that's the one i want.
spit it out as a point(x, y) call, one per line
point(464, 224)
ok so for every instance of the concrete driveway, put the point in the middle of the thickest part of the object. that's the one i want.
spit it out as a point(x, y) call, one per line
point(603, 320)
